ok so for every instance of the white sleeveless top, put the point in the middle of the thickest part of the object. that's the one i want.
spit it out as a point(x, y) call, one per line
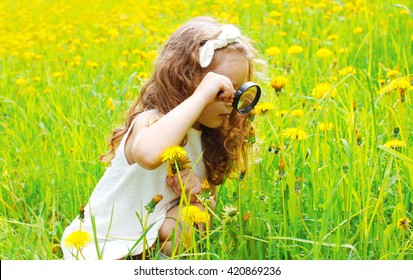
point(121, 193)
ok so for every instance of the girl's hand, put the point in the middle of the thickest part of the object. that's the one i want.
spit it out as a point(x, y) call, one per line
point(215, 86)
point(191, 182)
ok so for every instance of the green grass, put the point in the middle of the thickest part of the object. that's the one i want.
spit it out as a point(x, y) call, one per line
point(353, 189)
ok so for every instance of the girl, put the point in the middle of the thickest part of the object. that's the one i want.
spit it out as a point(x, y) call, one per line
point(187, 102)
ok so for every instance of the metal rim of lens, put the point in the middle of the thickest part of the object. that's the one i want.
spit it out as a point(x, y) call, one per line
point(240, 92)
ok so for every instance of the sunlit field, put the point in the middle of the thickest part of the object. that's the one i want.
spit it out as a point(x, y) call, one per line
point(330, 173)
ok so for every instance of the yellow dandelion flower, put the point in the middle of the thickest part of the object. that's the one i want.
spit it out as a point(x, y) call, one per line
point(58, 74)
point(342, 50)
point(173, 153)
point(150, 55)
point(21, 81)
point(110, 104)
point(113, 33)
point(324, 126)
point(323, 53)
point(402, 84)
point(337, 9)
point(278, 82)
point(281, 113)
point(294, 133)
point(275, 14)
point(273, 51)
point(122, 64)
point(348, 70)
point(178, 159)
point(358, 30)
point(404, 223)
point(332, 37)
point(394, 144)
point(322, 89)
point(392, 74)
point(142, 75)
point(297, 113)
point(263, 107)
point(194, 215)
point(295, 49)
point(78, 239)
point(91, 64)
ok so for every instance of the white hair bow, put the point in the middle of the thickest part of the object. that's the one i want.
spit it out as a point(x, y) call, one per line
point(228, 35)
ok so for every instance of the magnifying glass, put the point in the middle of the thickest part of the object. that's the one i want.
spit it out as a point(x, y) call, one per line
point(246, 97)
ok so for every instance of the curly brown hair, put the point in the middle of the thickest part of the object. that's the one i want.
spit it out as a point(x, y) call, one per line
point(176, 76)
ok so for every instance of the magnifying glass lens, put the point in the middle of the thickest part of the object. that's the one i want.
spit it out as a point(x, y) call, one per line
point(246, 97)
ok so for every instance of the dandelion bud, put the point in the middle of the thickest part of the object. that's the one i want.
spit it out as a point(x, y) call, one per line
point(205, 185)
point(345, 168)
point(251, 135)
point(242, 174)
point(278, 83)
point(246, 216)
point(205, 196)
point(281, 167)
point(251, 115)
point(297, 185)
point(307, 153)
point(150, 207)
point(81, 212)
point(396, 131)
point(402, 95)
point(354, 104)
point(359, 140)
point(288, 68)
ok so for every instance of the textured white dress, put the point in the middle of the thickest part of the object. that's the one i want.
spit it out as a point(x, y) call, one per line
point(123, 191)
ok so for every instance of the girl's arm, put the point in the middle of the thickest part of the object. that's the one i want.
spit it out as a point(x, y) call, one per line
point(148, 142)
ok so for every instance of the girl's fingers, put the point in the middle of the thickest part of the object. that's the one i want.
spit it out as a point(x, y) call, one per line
point(226, 96)
point(189, 179)
point(170, 181)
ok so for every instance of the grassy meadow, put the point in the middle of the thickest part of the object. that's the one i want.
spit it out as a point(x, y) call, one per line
point(330, 174)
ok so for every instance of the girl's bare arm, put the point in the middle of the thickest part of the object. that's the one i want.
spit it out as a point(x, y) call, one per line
point(148, 142)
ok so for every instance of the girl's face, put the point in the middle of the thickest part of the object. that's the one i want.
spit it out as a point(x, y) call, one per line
point(235, 66)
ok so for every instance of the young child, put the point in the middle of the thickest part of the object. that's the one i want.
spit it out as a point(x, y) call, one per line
point(187, 102)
